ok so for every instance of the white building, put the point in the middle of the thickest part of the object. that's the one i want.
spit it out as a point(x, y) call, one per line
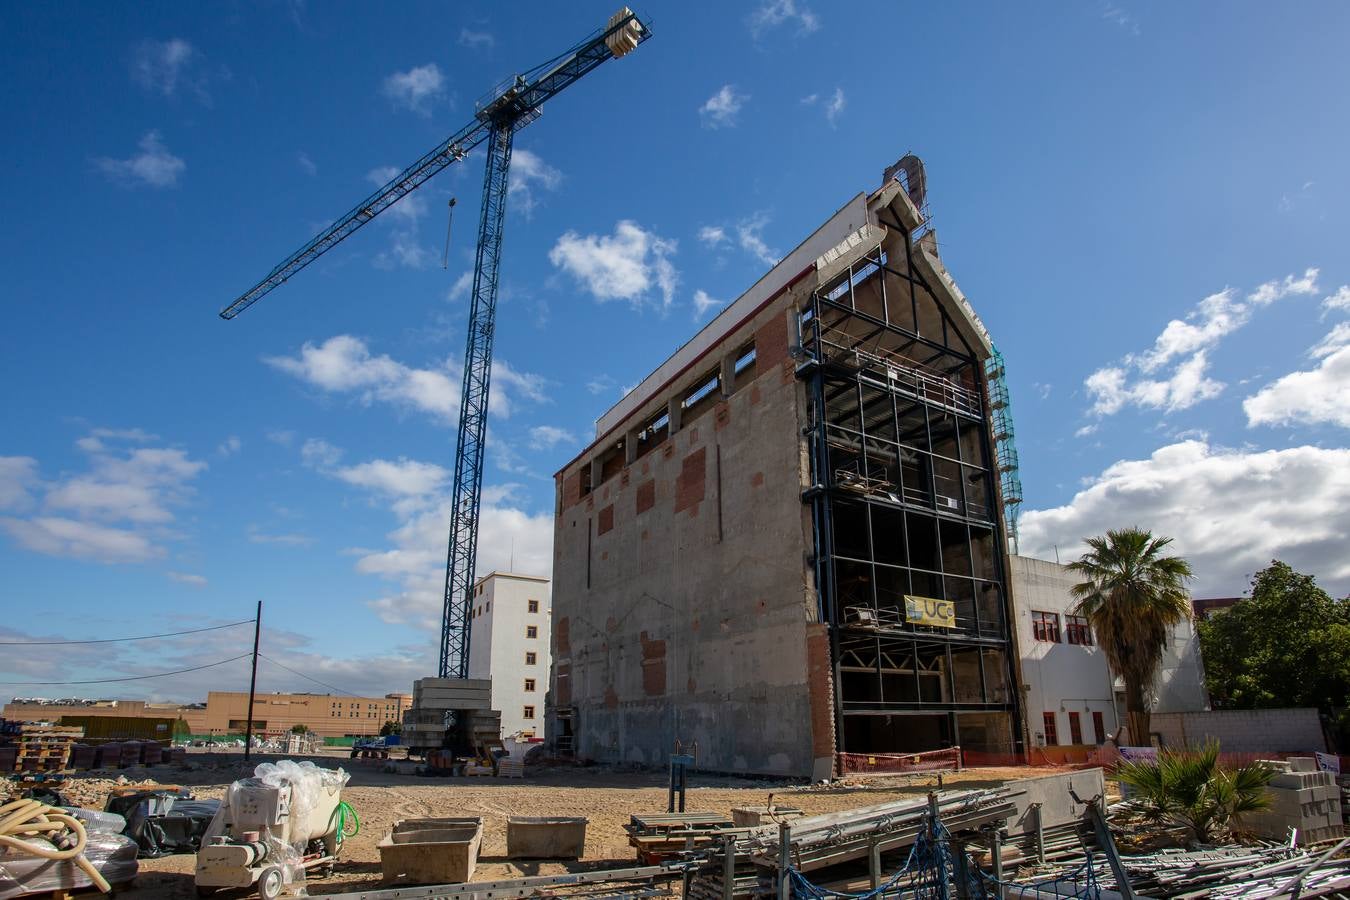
point(1071, 697)
point(509, 643)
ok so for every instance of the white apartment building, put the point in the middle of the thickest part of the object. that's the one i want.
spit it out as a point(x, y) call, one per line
point(1071, 697)
point(509, 643)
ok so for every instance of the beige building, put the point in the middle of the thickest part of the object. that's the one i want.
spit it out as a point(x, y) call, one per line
point(226, 712)
point(327, 715)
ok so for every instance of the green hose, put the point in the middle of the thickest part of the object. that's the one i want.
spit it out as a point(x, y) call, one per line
point(344, 817)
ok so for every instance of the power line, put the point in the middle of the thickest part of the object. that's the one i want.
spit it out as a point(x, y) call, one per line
point(306, 677)
point(144, 637)
point(128, 678)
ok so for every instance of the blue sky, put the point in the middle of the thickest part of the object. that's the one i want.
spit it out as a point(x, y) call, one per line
point(1145, 202)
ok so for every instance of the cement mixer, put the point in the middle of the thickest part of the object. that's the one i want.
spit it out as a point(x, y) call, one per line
point(272, 828)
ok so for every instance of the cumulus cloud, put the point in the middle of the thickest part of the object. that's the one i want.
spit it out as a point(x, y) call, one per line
point(625, 265)
point(713, 235)
point(1142, 379)
point(703, 303)
point(187, 578)
point(18, 477)
point(1314, 397)
point(343, 364)
point(720, 110)
point(530, 172)
point(153, 166)
point(1231, 511)
point(773, 13)
point(546, 437)
point(417, 89)
point(1340, 300)
point(396, 478)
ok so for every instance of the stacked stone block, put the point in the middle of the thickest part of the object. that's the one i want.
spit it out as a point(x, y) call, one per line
point(1302, 798)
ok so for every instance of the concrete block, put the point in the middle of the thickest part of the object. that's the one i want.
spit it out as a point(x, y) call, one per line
point(1302, 764)
point(431, 851)
point(529, 837)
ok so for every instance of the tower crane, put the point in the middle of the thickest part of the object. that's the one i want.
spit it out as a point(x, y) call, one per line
point(512, 105)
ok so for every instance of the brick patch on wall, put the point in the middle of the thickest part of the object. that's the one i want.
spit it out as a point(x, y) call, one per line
point(690, 484)
point(820, 691)
point(653, 666)
point(560, 637)
point(606, 523)
point(646, 496)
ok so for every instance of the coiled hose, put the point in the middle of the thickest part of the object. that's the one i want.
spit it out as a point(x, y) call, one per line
point(33, 818)
point(346, 822)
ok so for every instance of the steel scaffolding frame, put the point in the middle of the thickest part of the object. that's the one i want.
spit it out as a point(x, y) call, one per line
point(904, 501)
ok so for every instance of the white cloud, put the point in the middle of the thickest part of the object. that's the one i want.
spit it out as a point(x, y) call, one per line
point(834, 107)
point(136, 435)
point(1118, 16)
point(1087, 430)
point(600, 384)
point(475, 39)
point(230, 446)
point(713, 235)
point(720, 110)
point(1230, 511)
point(319, 454)
point(281, 436)
point(1183, 345)
point(463, 284)
point(810, 99)
point(401, 478)
point(417, 89)
point(257, 536)
point(749, 234)
point(137, 486)
point(529, 171)
point(343, 364)
point(405, 250)
point(703, 303)
point(773, 13)
point(622, 266)
point(18, 477)
point(306, 164)
point(546, 437)
point(1334, 340)
point(166, 67)
point(188, 579)
point(154, 165)
point(56, 536)
point(1315, 397)
point(1339, 300)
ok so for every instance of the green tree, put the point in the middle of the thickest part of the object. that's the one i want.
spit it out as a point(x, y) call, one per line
point(299, 729)
point(1288, 644)
point(391, 727)
point(1188, 789)
point(1132, 594)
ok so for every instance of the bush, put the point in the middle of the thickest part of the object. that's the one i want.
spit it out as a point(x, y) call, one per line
point(1189, 789)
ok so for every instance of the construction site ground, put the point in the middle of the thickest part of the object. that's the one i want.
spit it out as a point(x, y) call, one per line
point(604, 795)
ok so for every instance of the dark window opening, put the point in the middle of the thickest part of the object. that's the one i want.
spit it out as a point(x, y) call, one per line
point(1077, 630)
point(651, 434)
point(1051, 732)
point(1075, 729)
point(743, 367)
point(1098, 728)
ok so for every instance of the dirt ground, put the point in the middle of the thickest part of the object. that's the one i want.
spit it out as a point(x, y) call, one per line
point(603, 795)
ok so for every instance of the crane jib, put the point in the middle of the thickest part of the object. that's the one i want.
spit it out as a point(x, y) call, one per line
point(624, 32)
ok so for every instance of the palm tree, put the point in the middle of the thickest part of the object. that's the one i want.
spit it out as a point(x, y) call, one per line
point(1190, 790)
point(1132, 594)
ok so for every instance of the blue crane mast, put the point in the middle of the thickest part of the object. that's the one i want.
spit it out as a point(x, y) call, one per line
point(511, 106)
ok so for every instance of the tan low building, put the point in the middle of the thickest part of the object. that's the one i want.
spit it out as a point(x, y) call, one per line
point(226, 712)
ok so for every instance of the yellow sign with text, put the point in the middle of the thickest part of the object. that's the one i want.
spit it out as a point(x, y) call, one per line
point(927, 611)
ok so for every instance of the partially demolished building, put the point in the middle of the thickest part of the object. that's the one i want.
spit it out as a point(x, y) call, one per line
point(785, 547)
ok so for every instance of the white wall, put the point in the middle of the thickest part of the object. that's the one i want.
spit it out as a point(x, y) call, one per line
point(1061, 677)
point(499, 642)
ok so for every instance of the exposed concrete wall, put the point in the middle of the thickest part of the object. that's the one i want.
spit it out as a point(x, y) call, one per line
point(1243, 730)
point(1060, 677)
point(694, 626)
point(1181, 675)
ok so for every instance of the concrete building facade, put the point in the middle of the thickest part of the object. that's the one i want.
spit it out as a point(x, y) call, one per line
point(786, 543)
point(1072, 699)
point(509, 643)
point(1070, 694)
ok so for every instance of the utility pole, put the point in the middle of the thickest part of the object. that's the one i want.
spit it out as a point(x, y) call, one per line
point(252, 683)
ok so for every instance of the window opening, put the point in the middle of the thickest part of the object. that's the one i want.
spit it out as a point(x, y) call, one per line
point(1045, 626)
point(530, 657)
point(1075, 728)
point(1051, 733)
point(534, 606)
point(532, 631)
point(529, 712)
point(529, 684)
point(1078, 631)
point(1099, 728)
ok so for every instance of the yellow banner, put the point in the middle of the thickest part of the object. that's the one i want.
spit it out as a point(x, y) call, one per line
point(927, 611)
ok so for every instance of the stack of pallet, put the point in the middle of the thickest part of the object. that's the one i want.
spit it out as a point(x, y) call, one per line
point(45, 748)
point(1303, 798)
point(662, 836)
point(469, 699)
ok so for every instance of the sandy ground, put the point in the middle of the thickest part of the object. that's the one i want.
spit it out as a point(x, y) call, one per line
point(604, 796)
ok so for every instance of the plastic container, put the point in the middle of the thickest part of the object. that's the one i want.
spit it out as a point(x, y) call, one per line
point(431, 851)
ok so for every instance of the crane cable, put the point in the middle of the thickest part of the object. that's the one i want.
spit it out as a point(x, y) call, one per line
point(33, 818)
